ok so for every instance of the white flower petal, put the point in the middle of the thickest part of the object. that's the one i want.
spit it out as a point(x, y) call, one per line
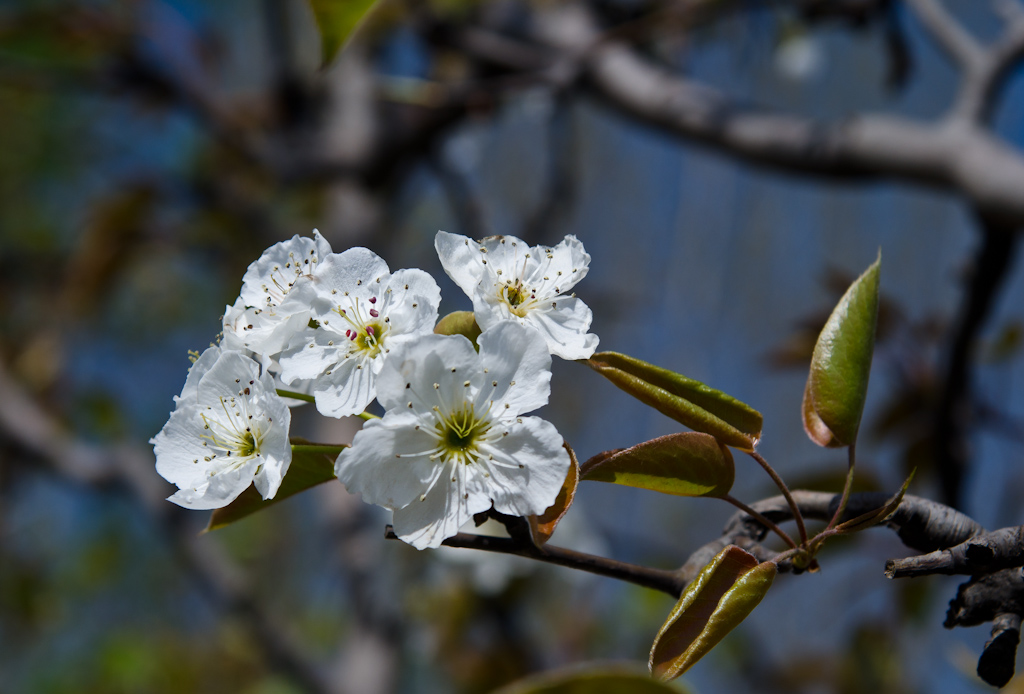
point(221, 489)
point(518, 356)
point(355, 271)
point(559, 268)
point(348, 388)
point(444, 509)
point(461, 259)
point(310, 354)
point(275, 448)
point(370, 467)
point(275, 299)
point(564, 328)
point(412, 302)
point(179, 451)
point(198, 369)
point(268, 280)
point(323, 248)
point(528, 469)
point(427, 523)
point(414, 367)
point(226, 377)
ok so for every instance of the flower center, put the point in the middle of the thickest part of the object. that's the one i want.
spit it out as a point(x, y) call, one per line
point(371, 338)
point(367, 331)
point(460, 432)
point(247, 444)
point(235, 435)
point(519, 298)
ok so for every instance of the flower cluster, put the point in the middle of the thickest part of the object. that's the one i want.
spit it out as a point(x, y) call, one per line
point(342, 330)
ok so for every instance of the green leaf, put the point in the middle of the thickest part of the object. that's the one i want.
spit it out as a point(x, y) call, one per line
point(543, 526)
point(685, 464)
point(459, 323)
point(311, 465)
point(722, 595)
point(685, 400)
point(873, 518)
point(838, 382)
point(337, 20)
point(591, 678)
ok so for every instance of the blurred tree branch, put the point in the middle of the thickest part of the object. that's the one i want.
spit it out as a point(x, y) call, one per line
point(129, 469)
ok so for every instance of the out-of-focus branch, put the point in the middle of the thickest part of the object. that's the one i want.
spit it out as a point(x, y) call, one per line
point(560, 189)
point(955, 409)
point(30, 428)
point(984, 68)
point(953, 154)
point(467, 206)
point(948, 33)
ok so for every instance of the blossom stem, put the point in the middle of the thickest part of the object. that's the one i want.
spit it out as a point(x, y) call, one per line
point(785, 492)
point(294, 395)
point(852, 456)
point(760, 519)
point(669, 582)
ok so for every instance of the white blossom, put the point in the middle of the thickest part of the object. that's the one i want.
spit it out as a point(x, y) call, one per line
point(229, 429)
point(509, 280)
point(274, 303)
point(452, 441)
point(364, 312)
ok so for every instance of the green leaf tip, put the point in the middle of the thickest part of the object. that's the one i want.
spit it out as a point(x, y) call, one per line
point(716, 602)
point(337, 20)
point(837, 384)
point(683, 399)
point(684, 464)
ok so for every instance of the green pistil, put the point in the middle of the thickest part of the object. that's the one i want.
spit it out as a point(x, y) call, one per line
point(517, 297)
point(248, 445)
point(515, 294)
point(370, 338)
point(461, 432)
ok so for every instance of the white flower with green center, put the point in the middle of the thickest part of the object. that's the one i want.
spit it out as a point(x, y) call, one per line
point(274, 302)
point(228, 430)
point(453, 440)
point(364, 312)
point(510, 280)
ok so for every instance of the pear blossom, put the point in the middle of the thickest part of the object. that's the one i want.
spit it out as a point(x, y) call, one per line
point(453, 441)
point(509, 280)
point(274, 302)
point(364, 312)
point(229, 429)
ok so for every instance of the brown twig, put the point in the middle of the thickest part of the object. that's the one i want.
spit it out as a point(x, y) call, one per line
point(785, 493)
point(658, 579)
